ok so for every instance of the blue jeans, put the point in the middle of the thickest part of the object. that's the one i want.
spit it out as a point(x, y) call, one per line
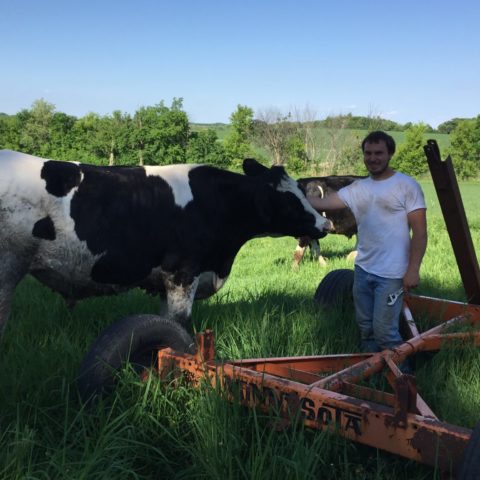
point(378, 322)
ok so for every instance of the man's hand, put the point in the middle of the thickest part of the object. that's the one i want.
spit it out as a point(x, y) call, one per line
point(411, 280)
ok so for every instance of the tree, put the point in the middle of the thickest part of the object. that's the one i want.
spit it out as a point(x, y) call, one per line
point(335, 128)
point(297, 160)
point(160, 134)
point(61, 135)
point(143, 134)
point(204, 147)
point(84, 144)
point(410, 158)
point(465, 148)
point(36, 131)
point(305, 123)
point(450, 125)
point(9, 132)
point(237, 142)
point(273, 131)
point(111, 136)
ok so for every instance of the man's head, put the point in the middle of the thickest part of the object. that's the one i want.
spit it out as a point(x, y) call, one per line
point(378, 148)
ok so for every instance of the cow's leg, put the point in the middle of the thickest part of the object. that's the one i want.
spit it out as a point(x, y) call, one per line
point(12, 270)
point(208, 284)
point(353, 254)
point(298, 255)
point(180, 300)
point(6, 295)
point(299, 252)
point(316, 254)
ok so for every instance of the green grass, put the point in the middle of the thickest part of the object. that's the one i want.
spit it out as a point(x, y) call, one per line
point(152, 430)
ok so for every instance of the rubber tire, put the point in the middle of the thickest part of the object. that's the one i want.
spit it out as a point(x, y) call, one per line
point(470, 469)
point(135, 339)
point(335, 289)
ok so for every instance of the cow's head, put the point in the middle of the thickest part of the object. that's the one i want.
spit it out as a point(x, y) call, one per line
point(282, 205)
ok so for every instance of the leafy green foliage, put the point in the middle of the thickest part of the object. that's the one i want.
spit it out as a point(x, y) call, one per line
point(204, 147)
point(410, 157)
point(465, 148)
point(237, 142)
point(161, 134)
point(450, 125)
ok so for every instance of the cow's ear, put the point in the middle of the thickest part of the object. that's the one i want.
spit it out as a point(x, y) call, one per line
point(253, 168)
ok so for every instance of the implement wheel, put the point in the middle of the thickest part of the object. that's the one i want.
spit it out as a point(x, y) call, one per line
point(135, 339)
point(470, 469)
point(335, 289)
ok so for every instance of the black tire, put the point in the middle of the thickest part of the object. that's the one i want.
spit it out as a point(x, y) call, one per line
point(335, 289)
point(470, 469)
point(135, 339)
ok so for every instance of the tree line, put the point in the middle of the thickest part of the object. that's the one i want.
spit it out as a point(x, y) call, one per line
point(161, 135)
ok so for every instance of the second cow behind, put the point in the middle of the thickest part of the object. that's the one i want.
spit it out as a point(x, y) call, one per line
point(343, 220)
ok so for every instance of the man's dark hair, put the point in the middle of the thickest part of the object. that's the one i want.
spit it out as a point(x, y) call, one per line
point(378, 136)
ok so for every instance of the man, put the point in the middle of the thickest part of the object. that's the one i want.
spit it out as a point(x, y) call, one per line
point(387, 205)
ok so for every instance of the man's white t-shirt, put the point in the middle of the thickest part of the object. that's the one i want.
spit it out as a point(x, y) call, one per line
point(380, 208)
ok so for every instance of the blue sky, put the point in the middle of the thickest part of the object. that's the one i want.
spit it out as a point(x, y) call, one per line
point(404, 60)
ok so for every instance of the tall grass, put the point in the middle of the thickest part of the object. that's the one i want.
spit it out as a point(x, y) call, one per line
point(150, 430)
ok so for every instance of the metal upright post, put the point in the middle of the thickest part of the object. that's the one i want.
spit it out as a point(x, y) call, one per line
point(446, 185)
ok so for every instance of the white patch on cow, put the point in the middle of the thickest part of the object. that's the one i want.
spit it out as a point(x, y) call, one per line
point(17, 165)
point(288, 184)
point(24, 200)
point(177, 177)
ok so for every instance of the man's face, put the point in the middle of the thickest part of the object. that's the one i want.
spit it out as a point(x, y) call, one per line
point(376, 158)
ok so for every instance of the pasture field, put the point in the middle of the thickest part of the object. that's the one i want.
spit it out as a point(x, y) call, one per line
point(152, 431)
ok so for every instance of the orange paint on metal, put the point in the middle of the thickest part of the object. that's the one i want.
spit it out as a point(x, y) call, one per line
point(326, 392)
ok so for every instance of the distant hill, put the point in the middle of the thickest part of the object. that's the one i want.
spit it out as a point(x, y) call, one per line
point(443, 139)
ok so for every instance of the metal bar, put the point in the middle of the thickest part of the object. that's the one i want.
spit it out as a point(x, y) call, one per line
point(435, 342)
point(308, 363)
point(367, 393)
point(439, 309)
point(446, 185)
point(422, 439)
point(410, 322)
point(377, 361)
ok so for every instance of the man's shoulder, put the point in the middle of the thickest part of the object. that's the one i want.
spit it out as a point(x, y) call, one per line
point(360, 181)
point(406, 179)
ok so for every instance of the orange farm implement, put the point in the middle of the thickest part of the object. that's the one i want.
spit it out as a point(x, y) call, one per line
point(327, 391)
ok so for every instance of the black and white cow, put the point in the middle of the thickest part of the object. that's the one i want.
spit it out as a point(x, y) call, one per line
point(343, 220)
point(85, 230)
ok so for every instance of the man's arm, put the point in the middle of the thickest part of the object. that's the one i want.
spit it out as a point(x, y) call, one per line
point(417, 220)
point(330, 202)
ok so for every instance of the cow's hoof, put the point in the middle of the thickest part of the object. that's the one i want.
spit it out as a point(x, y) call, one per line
point(135, 339)
point(322, 261)
point(352, 256)
point(335, 289)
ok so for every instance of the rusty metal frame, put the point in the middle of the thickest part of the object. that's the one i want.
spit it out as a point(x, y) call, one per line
point(331, 393)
